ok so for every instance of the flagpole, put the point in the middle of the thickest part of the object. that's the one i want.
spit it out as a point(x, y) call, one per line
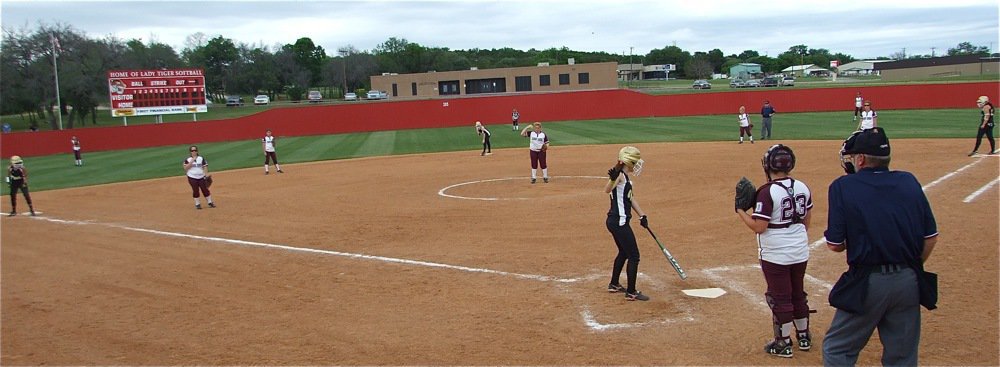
point(55, 66)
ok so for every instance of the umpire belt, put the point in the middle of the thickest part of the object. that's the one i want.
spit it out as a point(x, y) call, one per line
point(888, 268)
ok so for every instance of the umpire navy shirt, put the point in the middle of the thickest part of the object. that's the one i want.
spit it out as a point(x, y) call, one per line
point(766, 111)
point(883, 217)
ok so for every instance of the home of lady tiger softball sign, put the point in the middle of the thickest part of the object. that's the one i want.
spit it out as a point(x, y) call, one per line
point(156, 92)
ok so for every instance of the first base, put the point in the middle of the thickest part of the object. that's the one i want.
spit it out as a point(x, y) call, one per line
point(705, 293)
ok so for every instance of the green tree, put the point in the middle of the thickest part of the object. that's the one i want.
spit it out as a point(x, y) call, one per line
point(967, 48)
point(669, 55)
point(309, 56)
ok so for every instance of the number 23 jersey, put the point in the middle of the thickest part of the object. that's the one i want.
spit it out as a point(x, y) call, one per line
point(783, 203)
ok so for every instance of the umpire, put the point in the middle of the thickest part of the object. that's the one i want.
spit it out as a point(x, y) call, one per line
point(884, 221)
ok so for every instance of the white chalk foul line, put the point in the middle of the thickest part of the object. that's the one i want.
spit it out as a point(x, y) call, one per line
point(442, 191)
point(543, 278)
point(949, 175)
point(971, 197)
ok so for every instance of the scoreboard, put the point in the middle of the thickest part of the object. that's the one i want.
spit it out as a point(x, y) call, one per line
point(156, 92)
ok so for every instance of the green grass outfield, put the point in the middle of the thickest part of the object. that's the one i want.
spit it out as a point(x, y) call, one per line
point(57, 171)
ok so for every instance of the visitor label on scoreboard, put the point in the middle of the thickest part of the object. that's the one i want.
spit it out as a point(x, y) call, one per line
point(156, 92)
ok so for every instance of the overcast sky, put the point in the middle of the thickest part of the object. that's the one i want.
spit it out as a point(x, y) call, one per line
point(862, 29)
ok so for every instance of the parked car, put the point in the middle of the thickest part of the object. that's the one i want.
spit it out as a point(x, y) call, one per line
point(314, 96)
point(737, 83)
point(376, 94)
point(788, 81)
point(753, 83)
point(350, 96)
point(701, 84)
point(232, 101)
point(769, 82)
point(261, 99)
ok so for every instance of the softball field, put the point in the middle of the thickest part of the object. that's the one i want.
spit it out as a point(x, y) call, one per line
point(455, 259)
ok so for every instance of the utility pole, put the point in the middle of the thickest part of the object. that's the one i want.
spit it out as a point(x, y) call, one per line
point(55, 67)
point(343, 51)
point(932, 51)
point(631, 67)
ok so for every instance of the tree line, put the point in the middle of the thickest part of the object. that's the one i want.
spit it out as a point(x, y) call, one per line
point(290, 70)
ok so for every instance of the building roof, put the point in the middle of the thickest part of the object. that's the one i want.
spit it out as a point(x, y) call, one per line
point(802, 67)
point(930, 61)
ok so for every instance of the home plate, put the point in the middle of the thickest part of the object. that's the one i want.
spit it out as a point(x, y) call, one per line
point(705, 293)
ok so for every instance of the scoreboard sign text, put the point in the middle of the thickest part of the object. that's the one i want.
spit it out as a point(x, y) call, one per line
point(156, 92)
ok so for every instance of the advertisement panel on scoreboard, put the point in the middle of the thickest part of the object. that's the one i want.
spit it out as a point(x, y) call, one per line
point(156, 92)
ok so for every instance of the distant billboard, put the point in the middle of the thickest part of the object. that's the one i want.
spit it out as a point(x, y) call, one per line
point(156, 92)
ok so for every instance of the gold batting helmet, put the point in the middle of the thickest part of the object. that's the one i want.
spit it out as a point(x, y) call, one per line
point(983, 100)
point(631, 157)
point(16, 159)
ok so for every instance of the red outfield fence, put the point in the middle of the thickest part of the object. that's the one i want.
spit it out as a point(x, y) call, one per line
point(588, 105)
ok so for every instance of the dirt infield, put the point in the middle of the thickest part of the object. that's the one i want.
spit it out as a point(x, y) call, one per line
point(455, 259)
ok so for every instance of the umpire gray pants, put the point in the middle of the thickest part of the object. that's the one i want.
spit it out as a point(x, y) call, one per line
point(892, 306)
point(765, 128)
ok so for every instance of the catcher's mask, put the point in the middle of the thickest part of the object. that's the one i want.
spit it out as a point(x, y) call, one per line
point(631, 157)
point(872, 142)
point(778, 158)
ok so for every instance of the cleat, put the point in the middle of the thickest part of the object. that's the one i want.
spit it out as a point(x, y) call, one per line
point(778, 348)
point(267, 173)
point(751, 141)
point(12, 214)
point(483, 154)
point(211, 205)
point(972, 153)
point(637, 296)
point(995, 152)
point(615, 288)
point(197, 206)
point(804, 341)
point(546, 180)
point(33, 213)
point(280, 171)
point(533, 180)
point(741, 142)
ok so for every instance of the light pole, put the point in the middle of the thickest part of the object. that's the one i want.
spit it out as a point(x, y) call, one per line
point(343, 54)
point(631, 67)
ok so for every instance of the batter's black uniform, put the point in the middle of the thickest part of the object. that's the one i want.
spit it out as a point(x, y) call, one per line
point(987, 130)
point(618, 224)
point(16, 175)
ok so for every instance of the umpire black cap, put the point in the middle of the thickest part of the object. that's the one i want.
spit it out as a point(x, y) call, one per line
point(870, 142)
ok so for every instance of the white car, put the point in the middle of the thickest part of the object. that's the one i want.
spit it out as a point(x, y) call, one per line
point(315, 96)
point(261, 99)
point(376, 94)
point(350, 96)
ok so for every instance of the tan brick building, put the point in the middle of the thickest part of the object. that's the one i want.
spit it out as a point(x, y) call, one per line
point(542, 78)
point(937, 67)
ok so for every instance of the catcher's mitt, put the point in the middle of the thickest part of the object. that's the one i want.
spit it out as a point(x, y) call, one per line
point(208, 181)
point(745, 194)
point(751, 126)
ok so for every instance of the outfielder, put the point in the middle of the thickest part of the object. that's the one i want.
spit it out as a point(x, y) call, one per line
point(539, 144)
point(622, 203)
point(485, 134)
point(781, 215)
point(17, 175)
point(76, 151)
point(197, 175)
point(745, 126)
point(513, 118)
point(269, 153)
point(857, 105)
